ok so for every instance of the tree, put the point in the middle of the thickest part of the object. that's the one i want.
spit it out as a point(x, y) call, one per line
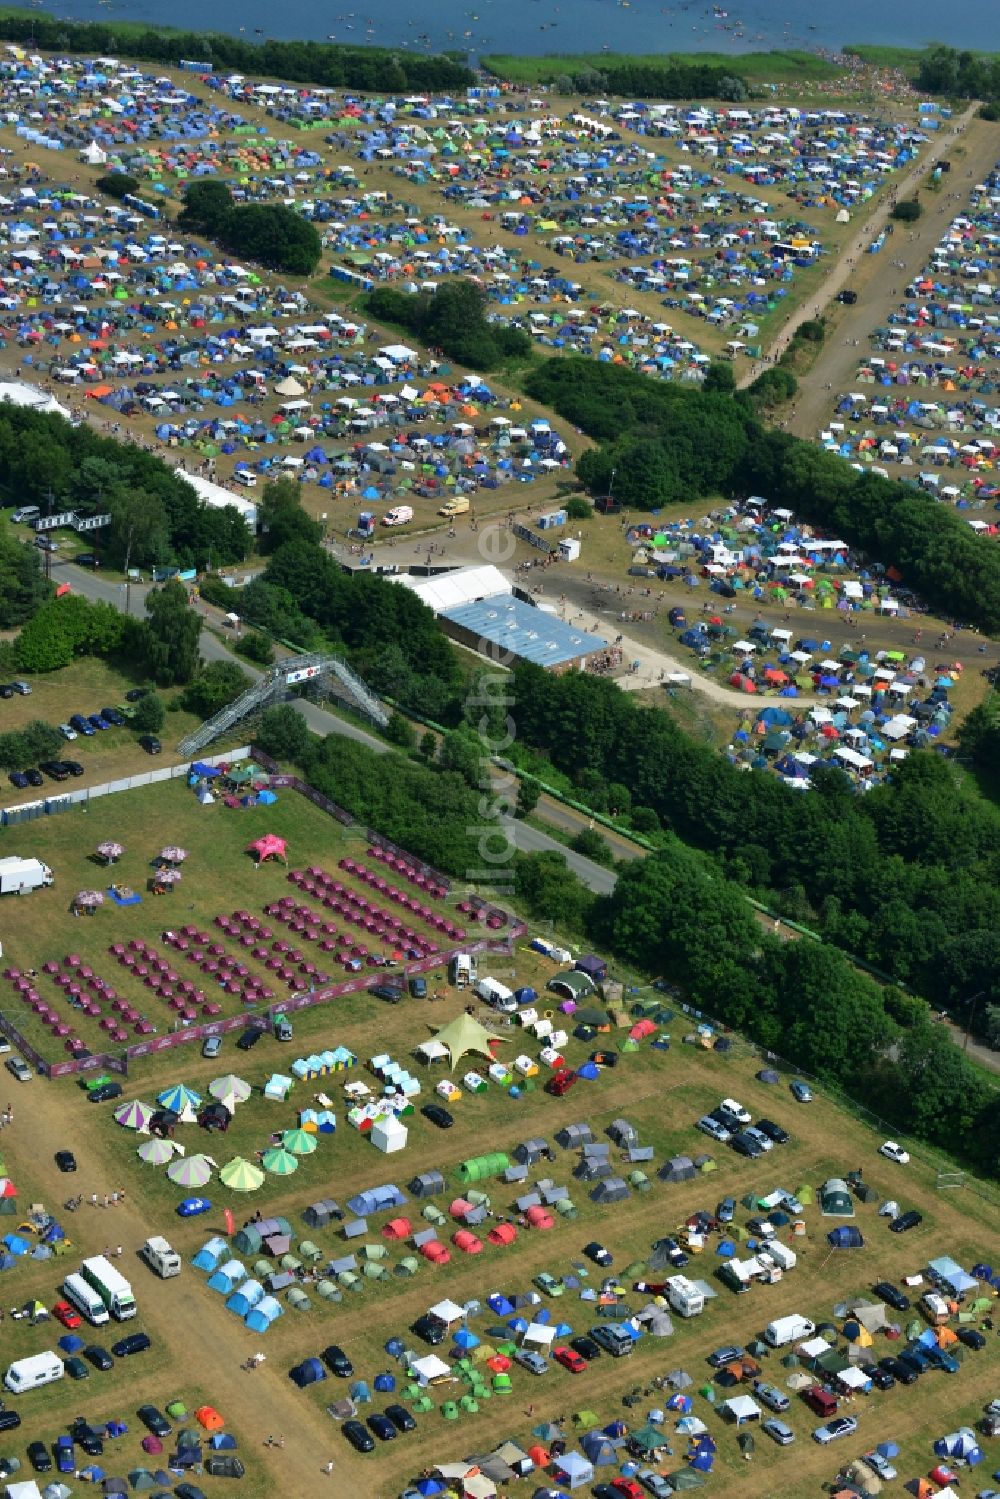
point(400, 731)
point(284, 734)
point(255, 647)
point(908, 210)
point(528, 793)
point(577, 508)
point(167, 641)
point(207, 204)
point(42, 741)
point(137, 535)
point(589, 843)
point(149, 714)
point(282, 517)
point(546, 886)
point(429, 747)
point(720, 377)
point(45, 644)
point(22, 586)
point(117, 184)
point(216, 685)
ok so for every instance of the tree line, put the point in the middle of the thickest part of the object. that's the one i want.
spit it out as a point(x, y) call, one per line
point(666, 443)
point(272, 234)
point(961, 75)
point(373, 69)
point(156, 517)
point(452, 319)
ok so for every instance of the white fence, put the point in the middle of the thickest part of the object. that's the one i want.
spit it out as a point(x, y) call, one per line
point(50, 805)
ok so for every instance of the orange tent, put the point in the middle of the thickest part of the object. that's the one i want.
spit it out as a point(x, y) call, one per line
point(208, 1416)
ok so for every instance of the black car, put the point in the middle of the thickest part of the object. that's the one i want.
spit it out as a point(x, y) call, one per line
point(437, 1115)
point(337, 1362)
point(54, 769)
point(39, 1457)
point(150, 744)
point(35, 777)
point(430, 1329)
point(6, 690)
point(900, 1373)
point(891, 1295)
point(188, 1491)
point(73, 766)
point(8, 1420)
point(111, 715)
point(847, 297)
point(418, 988)
point(18, 778)
point(104, 1093)
point(65, 1160)
point(400, 1418)
point(597, 1252)
point(391, 993)
point(585, 1347)
point(249, 1038)
point(154, 1420)
point(76, 1368)
point(136, 1342)
point(359, 1436)
point(87, 1437)
point(880, 1378)
point(773, 1131)
point(136, 694)
point(972, 1338)
point(727, 1354)
point(382, 1427)
point(905, 1222)
point(99, 1357)
point(746, 1145)
point(86, 559)
point(224, 1465)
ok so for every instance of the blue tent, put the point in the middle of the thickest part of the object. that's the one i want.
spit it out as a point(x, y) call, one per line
point(222, 1441)
point(70, 1343)
point(845, 1236)
point(500, 1304)
point(310, 1371)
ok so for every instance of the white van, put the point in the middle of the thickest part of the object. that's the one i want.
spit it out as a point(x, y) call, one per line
point(31, 1373)
point(85, 1299)
point(788, 1330)
point(246, 477)
point(398, 515)
point(25, 515)
point(496, 995)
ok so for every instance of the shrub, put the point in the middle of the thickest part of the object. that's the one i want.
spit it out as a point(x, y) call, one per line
point(908, 211)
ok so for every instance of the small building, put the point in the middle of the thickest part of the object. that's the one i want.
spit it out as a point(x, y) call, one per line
point(509, 629)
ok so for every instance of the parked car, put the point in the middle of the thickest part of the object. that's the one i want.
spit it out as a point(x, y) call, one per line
point(744, 1144)
point(430, 1329)
point(532, 1361)
point(550, 1284)
point(136, 694)
point(99, 1357)
point(915, 1360)
point(81, 725)
point(20, 1069)
point(248, 1039)
point(727, 1354)
point(613, 1340)
point(86, 1436)
point(773, 1131)
point(336, 1361)
point(193, 1207)
point(940, 1358)
point(570, 1359)
point(598, 1254)
point(880, 1378)
point(894, 1152)
point(712, 1127)
point(585, 1347)
point(905, 1222)
point(74, 767)
point(734, 1110)
point(54, 769)
point(627, 1487)
point(840, 1426)
point(40, 1458)
point(112, 716)
point(97, 722)
point(66, 1314)
point(880, 1466)
point(383, 1428)
point(972, 1338)
point(104, 1093)
point(136, 1342)
point(154, 1420)
point(801, 1092)
point(9, 1419)
point(418, 988)
point(891, 1295)
point(17, 778)
point(391, 993)
point(76, 1368)
point(67, 731)
point(400, 1418)
point(437, 1115)
point(211, 1046)
point(150, 744)
point(769, 1395)
point(63, 1449)
point(900, 1373)
point(359, 1436)
point(779, 1432)
point(726, 1209)
point(758, 1137)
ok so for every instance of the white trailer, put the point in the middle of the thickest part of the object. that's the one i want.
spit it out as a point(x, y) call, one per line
point(20, 876)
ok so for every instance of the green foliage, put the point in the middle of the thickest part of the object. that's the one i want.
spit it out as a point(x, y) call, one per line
point(453, 320)
point(255, 647)
point(218, 592)
point(22, 585)
point(548, 889)
point(429, 747)
point(166, 642)
point(812, 331)
point(720, 378)
point(591, 845)
point(282, 518)
point(367, 69)
point(959, 75)
point(68, 627)
point(908, 210)
point(216, 684)
point(117, 184)
point(645, 820)
point(400, 731)
point(283, 734)
point(149, 714)
point(979, 734)
point(22, 747)
point(87, 473)
point(528, 794)
point(138, 535)
point(577, 508)
point(272, 234)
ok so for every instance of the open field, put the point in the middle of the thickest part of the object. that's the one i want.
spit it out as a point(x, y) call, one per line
point(218, 877)
point(766, 67)
point(662, 1092)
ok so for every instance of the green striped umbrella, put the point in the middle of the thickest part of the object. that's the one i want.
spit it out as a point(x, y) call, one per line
point(280, 1162)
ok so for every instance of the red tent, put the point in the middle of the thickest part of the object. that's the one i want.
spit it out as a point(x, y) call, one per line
point(503, 1234)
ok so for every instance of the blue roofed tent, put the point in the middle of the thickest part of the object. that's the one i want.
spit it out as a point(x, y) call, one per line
point(572, 1470)
point(310, 1371)
point(845, 1236)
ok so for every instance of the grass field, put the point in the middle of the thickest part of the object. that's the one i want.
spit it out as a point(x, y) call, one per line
point(662, 1092)
point(219, 876)
point(759, 67)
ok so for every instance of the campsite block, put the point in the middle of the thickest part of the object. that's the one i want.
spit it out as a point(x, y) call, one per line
point(472, 1082)
point(447, 1090)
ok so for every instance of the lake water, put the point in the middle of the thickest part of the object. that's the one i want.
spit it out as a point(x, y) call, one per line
point(545, 26)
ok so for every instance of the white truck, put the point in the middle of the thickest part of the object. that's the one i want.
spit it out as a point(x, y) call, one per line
point(788, 1330)
point(684, 1296)
point(86, 1300)
point(159, 1256)
point(20, 876)
point(112, 1287)
point(463, 969)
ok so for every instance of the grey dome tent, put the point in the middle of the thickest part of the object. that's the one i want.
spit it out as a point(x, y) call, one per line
point(623, 1133)
point(321, 1214)
point(680, 1168)
point(377, 1200)
point(592, 1168)
point(427, 1184)
point(573, 1136)
point(613, 1189)
point(529, 1152)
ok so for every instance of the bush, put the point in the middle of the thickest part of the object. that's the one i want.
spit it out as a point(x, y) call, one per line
point(400, 731)
point(908, 211)
point(270, 233)
point(255, 647)
point(812, 331)
point(578, 508)
point(283, 733)
point(645, 820)
point(149, 714)
point(589, 843)
point(117, 184)
point(218, 683)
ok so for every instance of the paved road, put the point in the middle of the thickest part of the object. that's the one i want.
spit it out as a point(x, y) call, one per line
point(323, 722)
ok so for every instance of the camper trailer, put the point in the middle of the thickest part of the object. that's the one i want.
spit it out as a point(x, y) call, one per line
point(463, 969)
point(684, 1296)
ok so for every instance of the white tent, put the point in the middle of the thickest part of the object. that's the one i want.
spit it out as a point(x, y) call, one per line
point(740, 1408)
point(94, 155)
point(430, 1370)
point(388, 1134)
